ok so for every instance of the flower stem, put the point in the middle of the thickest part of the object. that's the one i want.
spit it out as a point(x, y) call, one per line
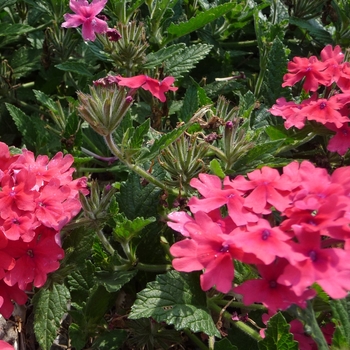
point(153, 268)
point(195, 340)
point(105, 242)
point(239, 324)
point(134, 167)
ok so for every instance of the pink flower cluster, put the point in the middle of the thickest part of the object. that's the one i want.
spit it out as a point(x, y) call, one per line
point(37, 198)
point(293, 227)
point(332, 107)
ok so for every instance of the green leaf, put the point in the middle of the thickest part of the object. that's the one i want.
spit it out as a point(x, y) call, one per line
point(190, 104)
point(126, 229)
point(78, 247)
point(33, 129)
point(77, 335)
point(49, 307)
point(341, 315)
point(81, 283)
point(176, 299)
point(199, 21)
point(114, 280)
point(136, 200)
point(46, 101)
point(112, 340)
point(138, 136)
point(96, 306)
point(314, 29)
point(276, 67)
point(216, 169)
point(184, 61)
point(259, 155)
point(277, 335)
point(160, 143)
point(76, 67)
point(7, 29)
point(24, 61)
point(6, 3)
point(155, 59)
point(224, 344)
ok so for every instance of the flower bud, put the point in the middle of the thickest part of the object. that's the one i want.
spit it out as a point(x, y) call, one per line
point(104, 108)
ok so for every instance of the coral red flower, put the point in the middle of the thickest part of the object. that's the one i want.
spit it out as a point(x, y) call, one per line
point(313, 70)
point(216, 195)
point(266, 188)
point(325, 111)
point(344, 77)
point(155, 87)
point(340, 142)
point(34, 260)
point(321, 265)
point(261, 237)
point(333, 60)
point(16, 226)
point(86, 15)
point(16, 195)
point(7, 294)
point(269, 291)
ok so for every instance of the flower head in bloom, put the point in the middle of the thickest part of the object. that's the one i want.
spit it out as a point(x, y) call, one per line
point(86, 15)
point(313, 70)
point(155, 87)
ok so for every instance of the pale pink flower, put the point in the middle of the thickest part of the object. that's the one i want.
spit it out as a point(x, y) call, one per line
point(85, 15)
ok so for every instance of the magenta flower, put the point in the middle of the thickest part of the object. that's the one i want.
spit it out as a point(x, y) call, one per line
point(85, 15)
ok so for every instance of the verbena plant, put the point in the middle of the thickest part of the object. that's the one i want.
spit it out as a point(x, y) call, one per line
point(210, 142)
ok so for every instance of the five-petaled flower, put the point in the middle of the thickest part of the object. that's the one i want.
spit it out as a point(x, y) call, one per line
point(86, 15)
point(155, 87)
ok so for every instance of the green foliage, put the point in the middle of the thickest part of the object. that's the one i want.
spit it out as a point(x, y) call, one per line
point(340, 309)
point(119, 247)
point(176, 299)
point(185, 60)
point(49, 306)
point(277, 335)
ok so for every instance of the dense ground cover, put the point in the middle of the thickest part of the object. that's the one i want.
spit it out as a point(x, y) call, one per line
point(174, 174)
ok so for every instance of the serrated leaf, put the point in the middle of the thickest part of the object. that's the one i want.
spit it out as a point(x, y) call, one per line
point(183, 62)
point(126, 229)
point(25, 60)
point(277, 335)
point(216, 169)
point(49, 307)
point(190, 104)
point(77, 335)
point(137, 138)
point(276, 68)
point(78, 246)
point(176, 299)
point(199, 21)
point(114, 280)
point(81, 282)
point(75, 67)
point(136, 200)
point(96, 306)
point(258, 155)
point(112, 340)
point(32, 128)
point(155, 59)
point(14, 29)
point(341, 313)
point(160, 143)
point(46, 101)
